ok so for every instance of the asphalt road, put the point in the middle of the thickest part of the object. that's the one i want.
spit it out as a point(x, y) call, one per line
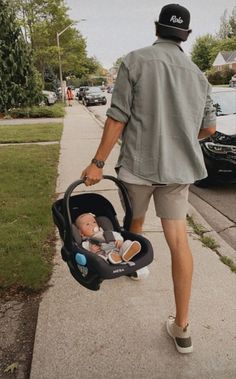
point(216, 204)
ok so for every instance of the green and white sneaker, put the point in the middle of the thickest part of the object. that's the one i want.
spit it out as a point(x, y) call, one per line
point(181, 336)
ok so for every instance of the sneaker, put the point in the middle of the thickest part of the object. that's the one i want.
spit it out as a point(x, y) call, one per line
point(181, 336)
point(114, 258)
point(133, 249)
point(142, 273)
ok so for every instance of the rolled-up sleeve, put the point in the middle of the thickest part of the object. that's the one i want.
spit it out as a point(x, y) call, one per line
point(121, 100)
point(209, 117)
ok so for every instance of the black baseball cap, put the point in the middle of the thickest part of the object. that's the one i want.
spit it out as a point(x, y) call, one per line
point(174, 22)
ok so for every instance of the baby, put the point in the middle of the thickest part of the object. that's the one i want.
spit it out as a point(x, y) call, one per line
point(113, 249)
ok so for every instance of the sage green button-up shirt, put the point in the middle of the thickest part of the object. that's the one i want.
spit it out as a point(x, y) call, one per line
point(164, 100)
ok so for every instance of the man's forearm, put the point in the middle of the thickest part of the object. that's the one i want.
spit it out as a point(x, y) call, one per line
point(206, 132)
point(111, 133)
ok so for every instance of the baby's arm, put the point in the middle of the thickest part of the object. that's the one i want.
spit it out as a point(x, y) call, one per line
point(94, 248)
point(118, 239)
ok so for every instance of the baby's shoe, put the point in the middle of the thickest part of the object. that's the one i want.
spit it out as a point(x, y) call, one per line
point(114, 258)
point(131, 251)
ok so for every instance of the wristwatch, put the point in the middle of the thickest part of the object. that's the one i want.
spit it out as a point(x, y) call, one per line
point(98, 163)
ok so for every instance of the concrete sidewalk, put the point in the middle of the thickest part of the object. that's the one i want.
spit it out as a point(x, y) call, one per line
point(118, 332)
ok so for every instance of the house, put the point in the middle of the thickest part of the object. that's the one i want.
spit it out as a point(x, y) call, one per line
point(225, 59)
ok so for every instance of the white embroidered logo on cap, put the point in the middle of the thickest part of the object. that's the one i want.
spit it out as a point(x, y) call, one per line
point(176, 19)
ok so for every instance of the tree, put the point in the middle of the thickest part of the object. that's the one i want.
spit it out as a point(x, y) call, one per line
point(225, 27)
point(206, 48)
point(118, 62)
point(228, 25)
point(228, 44)
point(201, 51)
point(19, 81)
point(232, 22)
point(41, 20)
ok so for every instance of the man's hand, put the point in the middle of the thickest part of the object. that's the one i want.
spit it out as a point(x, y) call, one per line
point(111, 132)
point(92, 175)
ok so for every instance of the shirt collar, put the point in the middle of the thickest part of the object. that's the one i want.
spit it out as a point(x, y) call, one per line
point(165, 40)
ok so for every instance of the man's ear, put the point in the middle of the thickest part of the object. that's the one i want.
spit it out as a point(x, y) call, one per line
point(156, 27)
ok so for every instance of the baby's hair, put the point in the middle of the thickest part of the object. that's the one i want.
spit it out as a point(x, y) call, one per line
point(84, 214)
point(79, 218)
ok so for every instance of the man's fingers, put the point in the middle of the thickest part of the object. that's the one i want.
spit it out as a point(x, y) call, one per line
point(90, 181)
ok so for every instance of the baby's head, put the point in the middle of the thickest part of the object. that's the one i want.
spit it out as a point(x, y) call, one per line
point(87, 224)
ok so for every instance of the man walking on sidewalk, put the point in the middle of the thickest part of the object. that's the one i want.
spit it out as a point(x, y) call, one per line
point(161, 106)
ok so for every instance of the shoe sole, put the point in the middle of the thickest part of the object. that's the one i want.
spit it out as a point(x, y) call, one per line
point(115, 261)
point(133, 250)
point(182, 350)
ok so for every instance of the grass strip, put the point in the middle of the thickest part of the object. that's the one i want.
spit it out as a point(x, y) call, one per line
point(210, 243)
point(28, 178)
point(30, 132)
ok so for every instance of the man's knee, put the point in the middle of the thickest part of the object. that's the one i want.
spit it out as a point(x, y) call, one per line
point(176, 234)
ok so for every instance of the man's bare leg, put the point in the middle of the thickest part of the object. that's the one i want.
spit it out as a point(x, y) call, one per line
point(182, 266)
point(137, 225)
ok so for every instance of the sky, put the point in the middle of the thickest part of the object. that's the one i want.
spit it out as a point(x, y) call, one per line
point(113, 28)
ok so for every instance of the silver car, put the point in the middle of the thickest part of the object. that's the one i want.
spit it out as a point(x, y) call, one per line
point(50, 97)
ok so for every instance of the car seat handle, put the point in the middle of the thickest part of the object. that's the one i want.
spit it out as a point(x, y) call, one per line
point(66, 205)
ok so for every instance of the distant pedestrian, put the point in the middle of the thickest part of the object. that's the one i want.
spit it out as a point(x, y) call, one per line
point(69, 96)
point(161, 105)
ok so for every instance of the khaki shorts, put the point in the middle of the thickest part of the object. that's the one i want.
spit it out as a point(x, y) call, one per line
point(171, 201)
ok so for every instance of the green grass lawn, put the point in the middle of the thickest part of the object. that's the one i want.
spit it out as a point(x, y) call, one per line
point(30, 133)
point(28, 179)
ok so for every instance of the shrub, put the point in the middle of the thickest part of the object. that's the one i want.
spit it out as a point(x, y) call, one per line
point(219, 77)
point(56, 110)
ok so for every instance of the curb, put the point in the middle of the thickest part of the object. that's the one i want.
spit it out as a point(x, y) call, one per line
point(224, 249)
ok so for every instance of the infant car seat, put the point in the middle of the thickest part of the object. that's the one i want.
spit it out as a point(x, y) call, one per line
point(96, 269)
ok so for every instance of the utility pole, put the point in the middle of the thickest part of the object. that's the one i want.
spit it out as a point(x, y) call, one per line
point(59, 56)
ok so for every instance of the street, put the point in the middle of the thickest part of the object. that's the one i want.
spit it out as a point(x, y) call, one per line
point(216, 204)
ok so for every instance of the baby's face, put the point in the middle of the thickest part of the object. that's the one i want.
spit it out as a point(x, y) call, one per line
point(87, 225)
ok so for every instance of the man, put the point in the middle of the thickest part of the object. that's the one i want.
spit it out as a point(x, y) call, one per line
point(161, 105)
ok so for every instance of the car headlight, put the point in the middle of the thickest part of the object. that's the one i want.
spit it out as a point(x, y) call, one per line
point(220, 149)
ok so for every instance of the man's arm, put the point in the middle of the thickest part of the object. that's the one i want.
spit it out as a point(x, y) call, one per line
point(208, 126)
point(206, 132)
point(112, 131)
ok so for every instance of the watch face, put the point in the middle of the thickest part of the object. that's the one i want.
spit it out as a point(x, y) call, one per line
point(99, 164)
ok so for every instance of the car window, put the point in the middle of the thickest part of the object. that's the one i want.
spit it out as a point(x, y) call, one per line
point(224, 102)
point(95, 90)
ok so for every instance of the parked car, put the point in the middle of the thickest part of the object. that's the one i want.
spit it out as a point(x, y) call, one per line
point(232, 82)
point(93, 96)
point(219, 150)
point(50, 97)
